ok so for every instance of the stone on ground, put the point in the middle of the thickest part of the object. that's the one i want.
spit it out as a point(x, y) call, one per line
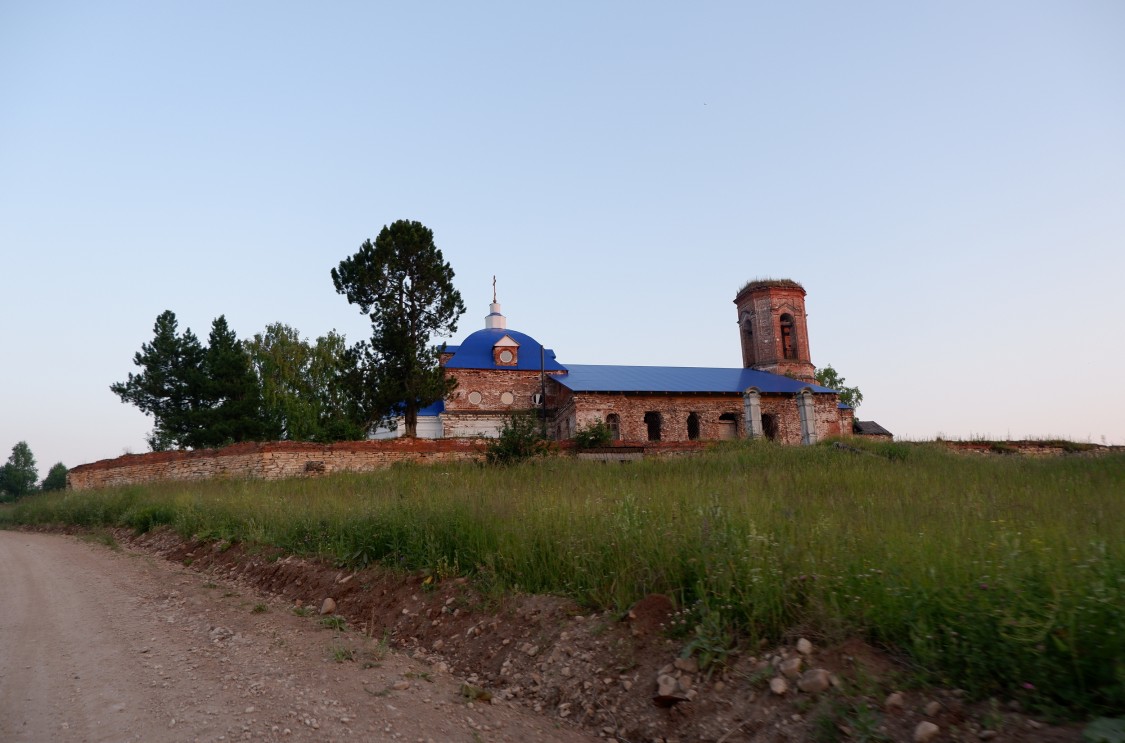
point(925, 732)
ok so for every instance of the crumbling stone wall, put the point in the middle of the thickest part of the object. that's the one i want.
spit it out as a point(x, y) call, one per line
point(269, 461)
point(289, 459)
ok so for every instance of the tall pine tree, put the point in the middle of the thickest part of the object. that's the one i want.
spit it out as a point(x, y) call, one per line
point(197, 396)
point(405, 286)
point(170, 386)
point(232, 410)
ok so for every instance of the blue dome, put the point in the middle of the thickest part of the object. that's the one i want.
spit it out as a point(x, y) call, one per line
point(475, 352)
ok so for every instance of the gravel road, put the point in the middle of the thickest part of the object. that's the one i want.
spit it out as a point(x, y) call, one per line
point(104, 645)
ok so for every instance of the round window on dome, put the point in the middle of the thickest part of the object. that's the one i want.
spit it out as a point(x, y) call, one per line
point(507, 398)
point(506, 356)
point(475, 398)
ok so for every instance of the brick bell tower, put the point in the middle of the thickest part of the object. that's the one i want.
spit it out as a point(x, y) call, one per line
point(771, 323)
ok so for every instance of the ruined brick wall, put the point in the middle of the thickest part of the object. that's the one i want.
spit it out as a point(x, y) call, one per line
point(578, 410)
point(269, 461)
point(786, 416)
point(760, 307)
point(828, 419)
point(583, 409)
point(502, 392)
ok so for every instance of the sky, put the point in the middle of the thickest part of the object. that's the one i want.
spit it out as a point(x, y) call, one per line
point(947, 181)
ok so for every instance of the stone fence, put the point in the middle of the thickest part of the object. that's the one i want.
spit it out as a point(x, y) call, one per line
point(269, 461)
point(279, 460)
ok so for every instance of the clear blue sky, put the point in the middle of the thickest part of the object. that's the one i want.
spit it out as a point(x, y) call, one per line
point(947, 180)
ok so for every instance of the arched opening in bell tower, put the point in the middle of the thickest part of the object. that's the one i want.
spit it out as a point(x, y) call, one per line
point(788, 337)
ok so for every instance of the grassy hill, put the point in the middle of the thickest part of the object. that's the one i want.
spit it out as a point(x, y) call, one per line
point(992, 574)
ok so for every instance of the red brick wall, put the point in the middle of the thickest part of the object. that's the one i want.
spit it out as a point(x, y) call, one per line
point(463, 418)
point(580, 410)
point(767, 304)
point(491, 384)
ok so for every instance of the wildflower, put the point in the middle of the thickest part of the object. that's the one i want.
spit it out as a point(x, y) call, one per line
point(1028, 685)
point(984, 586)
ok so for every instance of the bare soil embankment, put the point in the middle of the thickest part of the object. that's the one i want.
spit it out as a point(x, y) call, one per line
point(614, 676)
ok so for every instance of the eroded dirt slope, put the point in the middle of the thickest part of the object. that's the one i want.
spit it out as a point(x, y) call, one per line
point(618, 676)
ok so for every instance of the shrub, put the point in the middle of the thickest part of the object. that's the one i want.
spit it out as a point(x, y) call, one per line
point(520, 438)
point(594, 435)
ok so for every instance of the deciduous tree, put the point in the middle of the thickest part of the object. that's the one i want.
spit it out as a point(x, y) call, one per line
point(828, 377)
point(403, 284)
point(18, 476)
point(307, 388)
point(56, 478)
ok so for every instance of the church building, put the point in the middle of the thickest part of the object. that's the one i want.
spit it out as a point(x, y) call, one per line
point(500, 371)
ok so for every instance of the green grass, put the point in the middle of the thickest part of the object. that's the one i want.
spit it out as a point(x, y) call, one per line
point(341, 654)
point(333, 622)
point(993, 574)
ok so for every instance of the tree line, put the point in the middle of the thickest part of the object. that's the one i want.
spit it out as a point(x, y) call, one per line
point(274, 386)
point(280, 386)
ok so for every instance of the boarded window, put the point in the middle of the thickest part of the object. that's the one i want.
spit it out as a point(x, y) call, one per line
point(613, 421)
point(652, 422)
point(728, 426)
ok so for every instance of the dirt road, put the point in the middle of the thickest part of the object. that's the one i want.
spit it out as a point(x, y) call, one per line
point(103, 645)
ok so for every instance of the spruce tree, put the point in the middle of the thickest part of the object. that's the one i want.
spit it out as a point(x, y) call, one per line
point(170, 386)
point(232, 395)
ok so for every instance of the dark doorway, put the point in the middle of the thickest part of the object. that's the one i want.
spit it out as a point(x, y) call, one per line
point(652, 422)
point(693, 426)
point(769, 426)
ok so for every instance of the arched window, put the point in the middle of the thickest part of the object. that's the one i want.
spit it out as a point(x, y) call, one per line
point(652, 422)
point(613, 421)
point(693, 426)
point(788, 337)
point(747, 324)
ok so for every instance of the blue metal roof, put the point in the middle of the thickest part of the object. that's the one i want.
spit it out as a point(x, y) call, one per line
point(598, 378)
point(475, 352)
point(435, 408)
